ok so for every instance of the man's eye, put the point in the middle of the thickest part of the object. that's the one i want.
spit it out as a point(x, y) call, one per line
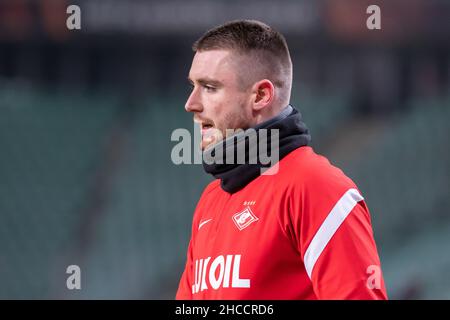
point(209, 88)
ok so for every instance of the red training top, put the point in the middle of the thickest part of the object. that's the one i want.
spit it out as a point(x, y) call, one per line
point(300, 231)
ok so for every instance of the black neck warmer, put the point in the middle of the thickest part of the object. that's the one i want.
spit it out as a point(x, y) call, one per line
point(234, 176)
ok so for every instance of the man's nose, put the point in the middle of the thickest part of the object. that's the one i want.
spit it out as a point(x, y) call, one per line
point(193, 103)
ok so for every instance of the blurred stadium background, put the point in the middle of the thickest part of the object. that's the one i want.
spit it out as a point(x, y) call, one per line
point(86, 117)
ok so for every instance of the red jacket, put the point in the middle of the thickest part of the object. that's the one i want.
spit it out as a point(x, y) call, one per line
point(303, 232)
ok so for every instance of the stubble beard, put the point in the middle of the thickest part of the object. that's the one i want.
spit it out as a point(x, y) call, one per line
point(232, 123)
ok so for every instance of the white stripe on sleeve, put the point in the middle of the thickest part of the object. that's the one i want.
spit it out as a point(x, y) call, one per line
point(326, 231)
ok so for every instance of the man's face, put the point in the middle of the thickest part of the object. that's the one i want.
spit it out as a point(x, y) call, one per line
point(218, 99)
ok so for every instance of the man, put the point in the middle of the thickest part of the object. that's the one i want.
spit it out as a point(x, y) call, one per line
point(301, 229)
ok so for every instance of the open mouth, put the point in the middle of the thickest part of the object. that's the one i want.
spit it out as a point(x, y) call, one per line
point(206, 127)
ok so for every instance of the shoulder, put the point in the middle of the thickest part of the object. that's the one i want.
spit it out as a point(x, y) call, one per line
point(210, 194)
point(304, 167)
point(213, 185)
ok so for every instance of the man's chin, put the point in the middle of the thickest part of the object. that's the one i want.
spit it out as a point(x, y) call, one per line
point(210, 138)
point(206, 144)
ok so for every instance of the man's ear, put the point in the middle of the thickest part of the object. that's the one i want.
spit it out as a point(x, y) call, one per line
point(263, 92)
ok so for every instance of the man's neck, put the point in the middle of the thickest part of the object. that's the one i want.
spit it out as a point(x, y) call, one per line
point(283, 112)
